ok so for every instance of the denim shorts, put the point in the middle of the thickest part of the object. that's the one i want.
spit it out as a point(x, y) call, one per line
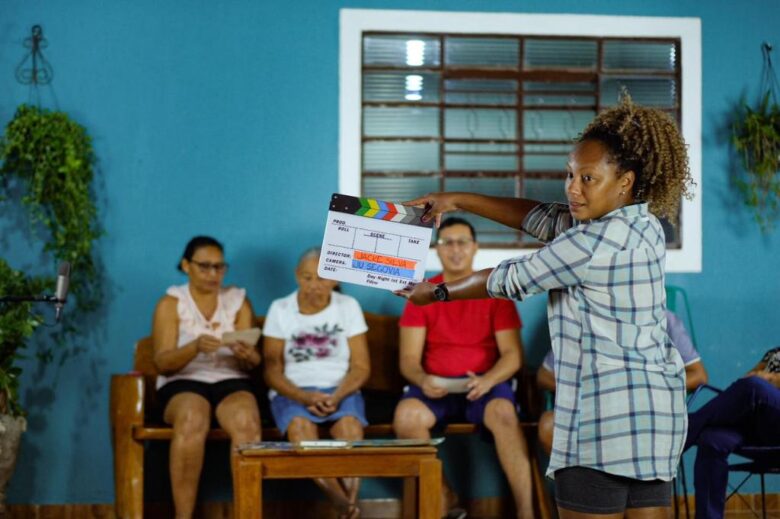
point(285, 409)
point(590, 491)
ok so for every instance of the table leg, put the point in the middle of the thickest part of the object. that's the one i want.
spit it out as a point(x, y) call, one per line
point(248, 490)
point(409, 503)
point(429, 496)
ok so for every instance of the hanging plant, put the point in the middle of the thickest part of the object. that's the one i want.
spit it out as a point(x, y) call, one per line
point(53, 156)
point(756, 138)
point(50, 157)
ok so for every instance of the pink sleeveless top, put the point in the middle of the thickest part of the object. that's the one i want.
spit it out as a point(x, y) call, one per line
point(212, 367)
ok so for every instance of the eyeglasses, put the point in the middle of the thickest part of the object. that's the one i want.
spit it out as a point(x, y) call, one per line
point(462, 242)
point(205, 267)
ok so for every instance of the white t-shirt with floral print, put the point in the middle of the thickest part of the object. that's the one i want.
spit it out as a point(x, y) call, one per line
point(316, 352)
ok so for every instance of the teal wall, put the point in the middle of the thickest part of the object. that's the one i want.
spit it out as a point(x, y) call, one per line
point(221, 117)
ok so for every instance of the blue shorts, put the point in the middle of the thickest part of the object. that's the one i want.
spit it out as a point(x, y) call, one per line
point(285, 409)
point(454, 407)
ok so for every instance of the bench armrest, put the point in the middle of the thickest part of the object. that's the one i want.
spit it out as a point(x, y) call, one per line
point(125, 413)
point(127, 401)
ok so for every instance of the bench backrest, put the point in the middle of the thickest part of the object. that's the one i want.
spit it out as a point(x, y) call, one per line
point(382, 345)
point(385, 383)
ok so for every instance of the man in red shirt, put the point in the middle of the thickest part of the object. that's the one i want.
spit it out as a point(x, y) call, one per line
point(459, 357)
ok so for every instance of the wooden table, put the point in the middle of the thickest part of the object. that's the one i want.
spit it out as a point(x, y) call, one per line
point(416, 463)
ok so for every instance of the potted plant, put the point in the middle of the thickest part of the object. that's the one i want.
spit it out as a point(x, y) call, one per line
point(17, 324)
point(46, 164)
point(756, 137)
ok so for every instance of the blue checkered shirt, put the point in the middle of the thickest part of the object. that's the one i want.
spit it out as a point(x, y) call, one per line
point(620, 384)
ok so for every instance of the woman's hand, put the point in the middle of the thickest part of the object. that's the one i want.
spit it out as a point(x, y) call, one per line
point(318, 403)
point(207, 344)
point(420, 294)
point(330, 405)
point(246, 353)
point(435, 205)
point(332, 402)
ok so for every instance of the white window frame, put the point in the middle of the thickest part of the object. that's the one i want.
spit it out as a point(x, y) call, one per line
point(354, 22)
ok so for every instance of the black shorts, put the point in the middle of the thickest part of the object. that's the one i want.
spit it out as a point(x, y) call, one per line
point(591, 491)
point(214, 393)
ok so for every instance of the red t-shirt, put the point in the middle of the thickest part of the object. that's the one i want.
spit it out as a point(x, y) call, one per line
point(460, 335)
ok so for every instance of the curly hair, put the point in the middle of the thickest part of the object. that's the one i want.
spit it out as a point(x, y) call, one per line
point(647, 142)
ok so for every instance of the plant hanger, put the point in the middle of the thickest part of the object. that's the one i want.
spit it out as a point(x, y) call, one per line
point(769, 84)
point(39, 71)
point(34, 69)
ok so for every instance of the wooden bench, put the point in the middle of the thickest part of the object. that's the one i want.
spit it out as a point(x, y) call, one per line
point(133, 411)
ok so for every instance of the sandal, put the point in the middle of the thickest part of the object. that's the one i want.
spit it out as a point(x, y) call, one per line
point(352, 512)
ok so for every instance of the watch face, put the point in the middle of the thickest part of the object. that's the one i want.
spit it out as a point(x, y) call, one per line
point(440, 294)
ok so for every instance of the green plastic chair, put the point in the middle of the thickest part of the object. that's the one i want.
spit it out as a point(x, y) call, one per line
point(677, 302)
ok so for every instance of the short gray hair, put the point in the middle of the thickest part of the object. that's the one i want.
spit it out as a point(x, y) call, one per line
point(310, 253)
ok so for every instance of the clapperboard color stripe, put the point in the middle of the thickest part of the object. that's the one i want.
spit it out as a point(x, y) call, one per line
point(379, 209)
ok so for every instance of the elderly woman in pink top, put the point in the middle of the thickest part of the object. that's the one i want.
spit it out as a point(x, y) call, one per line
point(201, 377)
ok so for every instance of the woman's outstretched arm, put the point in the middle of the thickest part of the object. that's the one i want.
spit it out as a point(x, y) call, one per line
point(508, 211)
point(563, 263)
point(470, 287)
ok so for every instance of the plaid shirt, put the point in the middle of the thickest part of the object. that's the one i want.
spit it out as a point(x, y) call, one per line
point(620, 384)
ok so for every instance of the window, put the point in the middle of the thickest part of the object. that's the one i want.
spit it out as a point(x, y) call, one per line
point(490, 103)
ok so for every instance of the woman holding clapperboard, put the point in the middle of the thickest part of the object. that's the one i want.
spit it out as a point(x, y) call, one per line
point(620, 416)
point(203, 373)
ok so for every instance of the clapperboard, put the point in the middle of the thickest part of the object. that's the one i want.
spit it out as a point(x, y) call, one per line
point(374, 243)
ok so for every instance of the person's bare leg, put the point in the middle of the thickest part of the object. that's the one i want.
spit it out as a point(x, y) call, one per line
point(301, 429)
point(237, 413)
point(501, 419)
point(655, 512)
point(545, 431)
point(413, 420)
point(349, 428)
point(570, 514)
point(190, 416)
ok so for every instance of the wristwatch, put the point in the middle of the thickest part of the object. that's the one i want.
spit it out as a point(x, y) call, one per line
point(441, 293)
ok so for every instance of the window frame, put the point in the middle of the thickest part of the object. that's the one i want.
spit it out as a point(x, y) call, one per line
point(354, 22)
